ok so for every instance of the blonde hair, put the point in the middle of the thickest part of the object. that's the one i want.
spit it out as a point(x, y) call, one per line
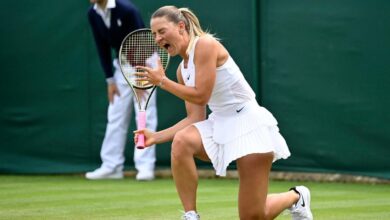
point(175, 15)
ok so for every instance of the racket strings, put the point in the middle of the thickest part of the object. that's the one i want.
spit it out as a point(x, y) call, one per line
point(140, 49)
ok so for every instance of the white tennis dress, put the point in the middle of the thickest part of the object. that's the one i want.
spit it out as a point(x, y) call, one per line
point(237, 126)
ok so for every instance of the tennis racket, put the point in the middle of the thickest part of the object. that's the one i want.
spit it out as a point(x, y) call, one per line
point(139, 49)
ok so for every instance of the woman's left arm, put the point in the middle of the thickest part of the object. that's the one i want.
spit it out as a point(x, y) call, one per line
point(205, 60)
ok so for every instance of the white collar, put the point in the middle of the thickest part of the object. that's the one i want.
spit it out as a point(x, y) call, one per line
point(110, 4)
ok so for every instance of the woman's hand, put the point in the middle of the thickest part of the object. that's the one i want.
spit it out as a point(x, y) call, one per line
point(152, 75)
point(149, 139)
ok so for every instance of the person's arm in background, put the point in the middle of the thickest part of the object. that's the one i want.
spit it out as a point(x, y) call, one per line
point(134, 18)
point(104, 51)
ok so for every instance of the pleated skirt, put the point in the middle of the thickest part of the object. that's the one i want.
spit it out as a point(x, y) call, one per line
point(240, 131)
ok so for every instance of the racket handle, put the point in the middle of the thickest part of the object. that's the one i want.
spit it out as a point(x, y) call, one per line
point(141, 125)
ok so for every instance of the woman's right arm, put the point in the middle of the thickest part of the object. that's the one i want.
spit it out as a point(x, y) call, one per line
point(195, 113)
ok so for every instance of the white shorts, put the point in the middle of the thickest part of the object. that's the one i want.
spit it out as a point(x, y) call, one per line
point(234, 133)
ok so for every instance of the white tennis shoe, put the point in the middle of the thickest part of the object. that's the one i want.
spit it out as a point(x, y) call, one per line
point(104, 173)
point(301, 209)
point(145, 175)
point(191, 215)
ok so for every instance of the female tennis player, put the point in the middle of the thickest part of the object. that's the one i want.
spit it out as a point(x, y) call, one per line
point(237, 129)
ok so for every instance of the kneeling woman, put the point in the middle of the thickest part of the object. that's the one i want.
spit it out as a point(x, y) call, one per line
point(237, 129)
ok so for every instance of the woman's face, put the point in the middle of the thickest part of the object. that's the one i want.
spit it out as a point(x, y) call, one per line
point(168, 35)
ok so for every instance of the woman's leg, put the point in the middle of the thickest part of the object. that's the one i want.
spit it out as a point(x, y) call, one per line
point(253, 201)
point(253, 172)
point(277, 203)
point(186, 145)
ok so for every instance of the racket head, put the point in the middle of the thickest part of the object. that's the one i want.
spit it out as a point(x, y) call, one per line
point(139, 49)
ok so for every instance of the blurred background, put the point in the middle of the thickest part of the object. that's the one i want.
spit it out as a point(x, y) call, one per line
point(321, 67)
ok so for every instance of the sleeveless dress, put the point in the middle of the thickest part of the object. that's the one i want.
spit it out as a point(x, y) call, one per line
point(237, 126)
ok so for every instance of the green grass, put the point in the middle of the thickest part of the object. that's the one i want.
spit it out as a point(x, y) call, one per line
point(73, 197)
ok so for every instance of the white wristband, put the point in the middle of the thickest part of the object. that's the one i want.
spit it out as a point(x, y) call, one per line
point(110, 80)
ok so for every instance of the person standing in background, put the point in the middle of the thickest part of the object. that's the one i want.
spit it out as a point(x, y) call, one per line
point(111, 21)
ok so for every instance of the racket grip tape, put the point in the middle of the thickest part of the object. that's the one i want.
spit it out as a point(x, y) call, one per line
point(141, 125)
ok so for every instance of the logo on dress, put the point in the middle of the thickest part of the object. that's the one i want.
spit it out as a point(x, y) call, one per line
point(239, 110)
point(119, 22)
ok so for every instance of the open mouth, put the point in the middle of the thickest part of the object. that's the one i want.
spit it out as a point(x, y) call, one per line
point(166, 46)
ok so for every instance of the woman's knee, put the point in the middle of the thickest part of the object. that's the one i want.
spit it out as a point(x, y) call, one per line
point(180, 145)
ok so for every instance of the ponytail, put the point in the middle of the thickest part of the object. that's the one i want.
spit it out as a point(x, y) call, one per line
point(192, 26)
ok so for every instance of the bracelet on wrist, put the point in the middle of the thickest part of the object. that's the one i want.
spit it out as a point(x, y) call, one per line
point(160, 84)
